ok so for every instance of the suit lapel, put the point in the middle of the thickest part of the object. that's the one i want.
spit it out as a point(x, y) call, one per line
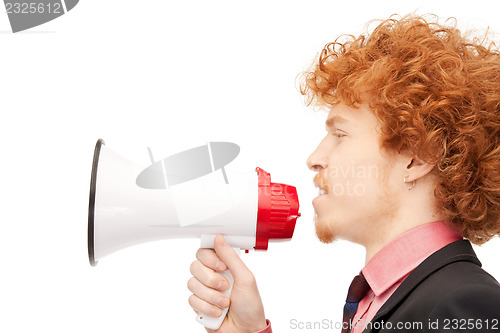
point(457, 251)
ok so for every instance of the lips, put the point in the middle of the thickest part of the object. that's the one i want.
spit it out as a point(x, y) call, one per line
point(321, 184)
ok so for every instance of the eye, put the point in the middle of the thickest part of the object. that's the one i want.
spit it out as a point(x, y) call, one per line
point(338, 134)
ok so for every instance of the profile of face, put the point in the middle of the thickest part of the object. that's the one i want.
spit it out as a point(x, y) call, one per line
point(358, 180)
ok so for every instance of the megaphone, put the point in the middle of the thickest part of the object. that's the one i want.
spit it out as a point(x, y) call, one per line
point(184, 196)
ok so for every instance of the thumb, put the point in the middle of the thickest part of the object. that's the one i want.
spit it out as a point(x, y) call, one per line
point(232, 260)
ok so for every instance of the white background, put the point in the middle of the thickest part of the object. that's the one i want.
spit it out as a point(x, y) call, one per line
point(170, 75)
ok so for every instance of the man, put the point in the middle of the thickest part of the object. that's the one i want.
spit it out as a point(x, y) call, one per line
point(409, 167)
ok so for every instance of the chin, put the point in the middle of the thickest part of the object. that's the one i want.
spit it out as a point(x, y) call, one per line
point(324, 230)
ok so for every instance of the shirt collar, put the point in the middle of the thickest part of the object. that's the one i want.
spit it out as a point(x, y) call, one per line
point(400, 256)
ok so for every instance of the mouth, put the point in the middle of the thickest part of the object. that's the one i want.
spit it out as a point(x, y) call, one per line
point(321, 184)
point(321, 190)
point(322, 196)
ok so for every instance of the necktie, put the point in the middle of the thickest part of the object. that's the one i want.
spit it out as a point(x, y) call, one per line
point(357, 290)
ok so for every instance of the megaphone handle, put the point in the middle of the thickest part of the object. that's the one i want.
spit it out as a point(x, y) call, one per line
point(214, 323)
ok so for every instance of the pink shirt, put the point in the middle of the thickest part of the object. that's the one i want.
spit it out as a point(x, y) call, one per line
point(388, 268)
point(392, 264)
point(267, 329)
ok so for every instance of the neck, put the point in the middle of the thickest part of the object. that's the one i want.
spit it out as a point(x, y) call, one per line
point(419, 211)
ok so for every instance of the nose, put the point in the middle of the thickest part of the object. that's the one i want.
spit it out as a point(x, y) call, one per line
point(316, 161)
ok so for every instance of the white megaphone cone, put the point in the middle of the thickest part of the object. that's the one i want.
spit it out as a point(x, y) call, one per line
point(177, 197)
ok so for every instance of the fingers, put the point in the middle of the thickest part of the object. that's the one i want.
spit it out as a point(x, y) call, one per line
point(200, 306)
point(210, 296)
point(232, 260)
point(208, 277)
point(210, 259)
point(206, 285)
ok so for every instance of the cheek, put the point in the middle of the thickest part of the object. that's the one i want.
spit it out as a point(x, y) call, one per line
point(380, 197)
point(356, 176)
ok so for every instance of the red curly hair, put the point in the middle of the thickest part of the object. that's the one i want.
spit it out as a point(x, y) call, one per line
point(433, 90)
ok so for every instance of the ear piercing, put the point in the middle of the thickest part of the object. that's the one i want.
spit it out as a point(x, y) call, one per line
point(406, 186)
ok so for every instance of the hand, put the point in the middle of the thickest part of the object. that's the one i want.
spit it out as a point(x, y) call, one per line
point(246, 314)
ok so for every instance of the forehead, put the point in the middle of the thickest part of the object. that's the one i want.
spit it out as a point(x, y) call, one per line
point(342, 114)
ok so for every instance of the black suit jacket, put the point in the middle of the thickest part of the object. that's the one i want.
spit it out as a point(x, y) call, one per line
point(447, 292)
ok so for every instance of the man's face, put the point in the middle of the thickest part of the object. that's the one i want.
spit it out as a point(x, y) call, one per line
point(356, 177)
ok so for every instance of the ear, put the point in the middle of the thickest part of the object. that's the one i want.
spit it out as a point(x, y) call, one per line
point(417, 169)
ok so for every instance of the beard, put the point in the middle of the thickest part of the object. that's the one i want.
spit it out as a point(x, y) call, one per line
point(324, 230)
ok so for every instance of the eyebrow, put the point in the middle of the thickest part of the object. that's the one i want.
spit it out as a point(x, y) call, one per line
point(335, 119)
